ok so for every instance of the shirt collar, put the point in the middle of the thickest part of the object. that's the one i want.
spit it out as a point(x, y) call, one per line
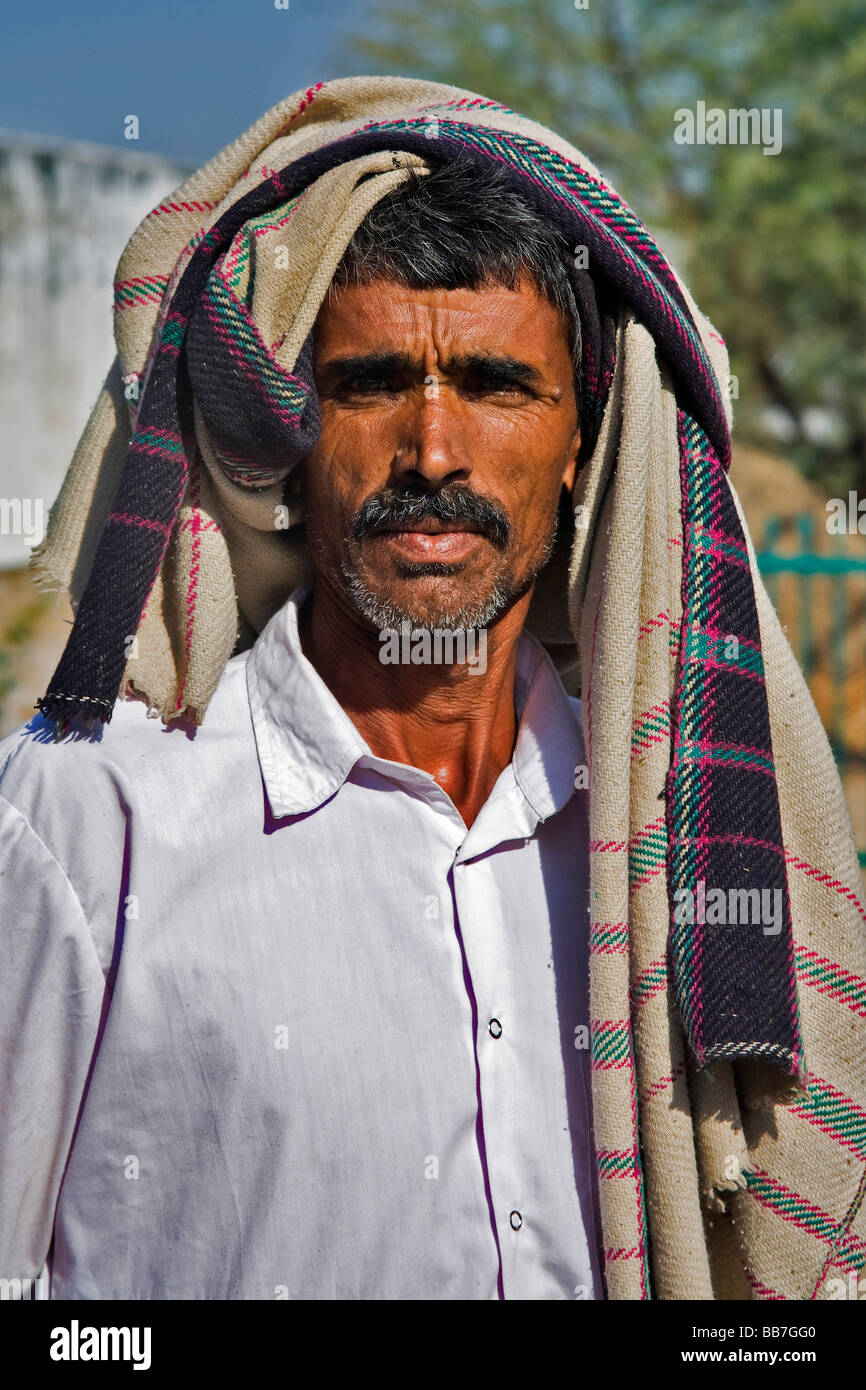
point(307, 745)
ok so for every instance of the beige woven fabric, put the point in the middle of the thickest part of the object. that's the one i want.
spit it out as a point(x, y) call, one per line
point(725, 1183)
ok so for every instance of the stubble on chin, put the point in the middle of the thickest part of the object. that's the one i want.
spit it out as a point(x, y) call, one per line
point(384, 612)
point(480, 610)
point(494, 594)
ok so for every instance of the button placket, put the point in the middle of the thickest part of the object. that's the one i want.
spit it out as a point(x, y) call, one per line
point(479, 924)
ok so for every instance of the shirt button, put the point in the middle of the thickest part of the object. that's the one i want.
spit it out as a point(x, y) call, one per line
point(516, 1220)
point(494, 1028)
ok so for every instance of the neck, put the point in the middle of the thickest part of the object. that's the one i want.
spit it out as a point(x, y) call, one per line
point(453, 721)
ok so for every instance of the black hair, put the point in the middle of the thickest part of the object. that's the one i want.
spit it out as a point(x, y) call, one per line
point(457, 229)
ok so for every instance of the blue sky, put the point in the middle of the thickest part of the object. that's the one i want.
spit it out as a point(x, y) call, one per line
point(195, 72)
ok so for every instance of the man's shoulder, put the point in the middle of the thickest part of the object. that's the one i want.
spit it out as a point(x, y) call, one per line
point(91, 767)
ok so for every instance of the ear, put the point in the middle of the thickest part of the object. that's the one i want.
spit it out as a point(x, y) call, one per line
point(569, 473)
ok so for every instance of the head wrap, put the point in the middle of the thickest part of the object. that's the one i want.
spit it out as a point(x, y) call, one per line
point(726, 1169)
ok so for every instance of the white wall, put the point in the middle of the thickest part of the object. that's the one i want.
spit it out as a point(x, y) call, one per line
point(66, 212)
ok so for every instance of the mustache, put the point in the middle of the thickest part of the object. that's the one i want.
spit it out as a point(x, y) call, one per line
point(396, 506)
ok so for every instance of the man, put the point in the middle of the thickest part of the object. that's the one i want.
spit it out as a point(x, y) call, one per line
point(301, 1004)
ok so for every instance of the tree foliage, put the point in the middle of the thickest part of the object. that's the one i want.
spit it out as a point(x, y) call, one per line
point(771, 246)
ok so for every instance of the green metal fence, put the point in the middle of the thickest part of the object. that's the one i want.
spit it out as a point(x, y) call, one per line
point(823, 607)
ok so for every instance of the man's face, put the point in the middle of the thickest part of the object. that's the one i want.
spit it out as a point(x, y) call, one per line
point(449, 424)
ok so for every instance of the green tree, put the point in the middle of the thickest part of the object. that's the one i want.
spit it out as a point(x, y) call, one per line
point(771, 245)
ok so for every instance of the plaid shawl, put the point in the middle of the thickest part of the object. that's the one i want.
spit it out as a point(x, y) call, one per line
point(729, 1067)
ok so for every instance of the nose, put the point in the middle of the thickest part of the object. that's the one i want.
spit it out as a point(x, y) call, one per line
point(433, 447)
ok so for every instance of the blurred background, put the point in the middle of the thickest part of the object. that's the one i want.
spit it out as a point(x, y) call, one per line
point(105, 108)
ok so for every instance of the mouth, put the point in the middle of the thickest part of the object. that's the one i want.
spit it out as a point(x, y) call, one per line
point(431, 538)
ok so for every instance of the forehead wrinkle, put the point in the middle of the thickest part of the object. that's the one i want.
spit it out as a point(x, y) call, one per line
point(378, 304)
point(492, 325)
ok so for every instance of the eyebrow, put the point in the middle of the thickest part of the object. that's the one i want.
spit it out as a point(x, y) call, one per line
point(493, 366)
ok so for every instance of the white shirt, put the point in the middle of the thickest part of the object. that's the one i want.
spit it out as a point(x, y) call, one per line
point(337, 1055)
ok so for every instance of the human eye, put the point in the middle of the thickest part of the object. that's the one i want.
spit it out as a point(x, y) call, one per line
point(495, 381)
point(369, 383)
point(367, 386)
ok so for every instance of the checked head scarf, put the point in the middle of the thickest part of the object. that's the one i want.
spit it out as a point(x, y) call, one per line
point(727, 937)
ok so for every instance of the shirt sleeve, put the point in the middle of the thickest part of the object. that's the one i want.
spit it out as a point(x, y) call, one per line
point(51, 994)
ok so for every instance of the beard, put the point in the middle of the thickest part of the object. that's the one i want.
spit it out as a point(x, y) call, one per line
point(494, 592)
point(475, 612)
